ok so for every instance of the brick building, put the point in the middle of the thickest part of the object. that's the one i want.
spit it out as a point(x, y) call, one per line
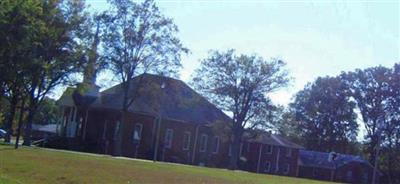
point(167, 121)
point(344, 168)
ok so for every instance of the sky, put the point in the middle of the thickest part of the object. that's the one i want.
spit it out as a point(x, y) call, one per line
point(314, 38)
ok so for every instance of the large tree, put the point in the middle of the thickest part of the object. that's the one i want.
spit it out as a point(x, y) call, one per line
point(325, 115)
point(376, 92)
point(45, 48)
point(284, 123)
point(139, 39)
point(239, 84)
point(370, 90)
point(16, 28)
point(391, 132)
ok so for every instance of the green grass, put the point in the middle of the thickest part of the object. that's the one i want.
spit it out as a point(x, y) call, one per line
point(36, 165)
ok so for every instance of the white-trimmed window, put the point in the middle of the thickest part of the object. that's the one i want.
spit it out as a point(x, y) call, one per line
point(116, 130)
point(286, 169)
point(137, 132)
point(186, 140)
point(241, 150)
point(267, 166)
point(315, 172)
point(216, 144)
point(104, 130)
point(203, 142)
point(168, 138)
point(365, 177)
point(288, 152)
point(269, 149)
point(349, 175)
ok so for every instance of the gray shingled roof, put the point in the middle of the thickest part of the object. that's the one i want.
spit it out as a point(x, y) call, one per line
point(320, 159)
point(175, 100)
point(272, 139)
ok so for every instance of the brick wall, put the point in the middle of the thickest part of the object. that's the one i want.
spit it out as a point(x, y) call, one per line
point(102, 124)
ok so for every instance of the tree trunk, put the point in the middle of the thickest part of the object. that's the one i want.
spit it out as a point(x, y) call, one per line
point(235, 148)
point(371, 150)
point(234, 155)
point(28, 127)
point(20, 121)
point(10, 118)
point(390, 159)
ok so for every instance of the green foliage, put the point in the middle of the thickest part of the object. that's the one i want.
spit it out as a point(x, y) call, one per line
point(376, 92)
point(326, 119)
point(140, 39)
point(239, 84)
point(283, 122)
point(325, 115)
point(38, 49)
point(47, 112)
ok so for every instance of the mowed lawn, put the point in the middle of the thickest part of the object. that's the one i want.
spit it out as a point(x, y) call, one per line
point(37, 165)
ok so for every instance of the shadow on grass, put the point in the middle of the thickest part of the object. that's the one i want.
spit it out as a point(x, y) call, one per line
point(8, 148)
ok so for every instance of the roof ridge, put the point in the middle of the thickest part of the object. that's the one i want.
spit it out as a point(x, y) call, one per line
point(277, 140)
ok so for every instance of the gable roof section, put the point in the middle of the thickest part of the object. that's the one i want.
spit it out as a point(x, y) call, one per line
point(155, 95)
point(66, 97)
point(320, 159)
point(272, 139)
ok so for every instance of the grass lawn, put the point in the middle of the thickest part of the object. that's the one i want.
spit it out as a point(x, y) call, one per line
point(36, 165)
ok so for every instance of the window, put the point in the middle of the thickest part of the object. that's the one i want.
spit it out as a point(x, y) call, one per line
point(116, 130)
point(315, 172)
point(365, 177)
point(288, 152)
point(269, 149)
point(203, 143)
point(248, 147)
point(241, 150)
point(186, 140)
point(286, 169)
point(216, 144)
point(230, 150)
point(104, 130)
point(267, 166)
point(168, 138)
point(349, 175)
point(137, 132)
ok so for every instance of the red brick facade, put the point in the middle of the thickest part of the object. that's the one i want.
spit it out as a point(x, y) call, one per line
point(170, 122)
point(346, 168)
point(191, 143)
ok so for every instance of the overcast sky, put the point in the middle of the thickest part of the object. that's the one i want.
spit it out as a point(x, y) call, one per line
point(314, 38)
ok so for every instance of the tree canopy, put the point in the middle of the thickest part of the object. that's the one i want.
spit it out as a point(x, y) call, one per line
point(239, 84)
point(325, 115)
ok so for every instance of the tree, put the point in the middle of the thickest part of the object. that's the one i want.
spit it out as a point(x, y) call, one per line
point(47, 112)
point(285, 124)
point(325, 115)
point(370, 90)
point(50, 55)
point(139, 39)
point(16, 27)
point(376, 92)
point(391, 131)
point(239, 84)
